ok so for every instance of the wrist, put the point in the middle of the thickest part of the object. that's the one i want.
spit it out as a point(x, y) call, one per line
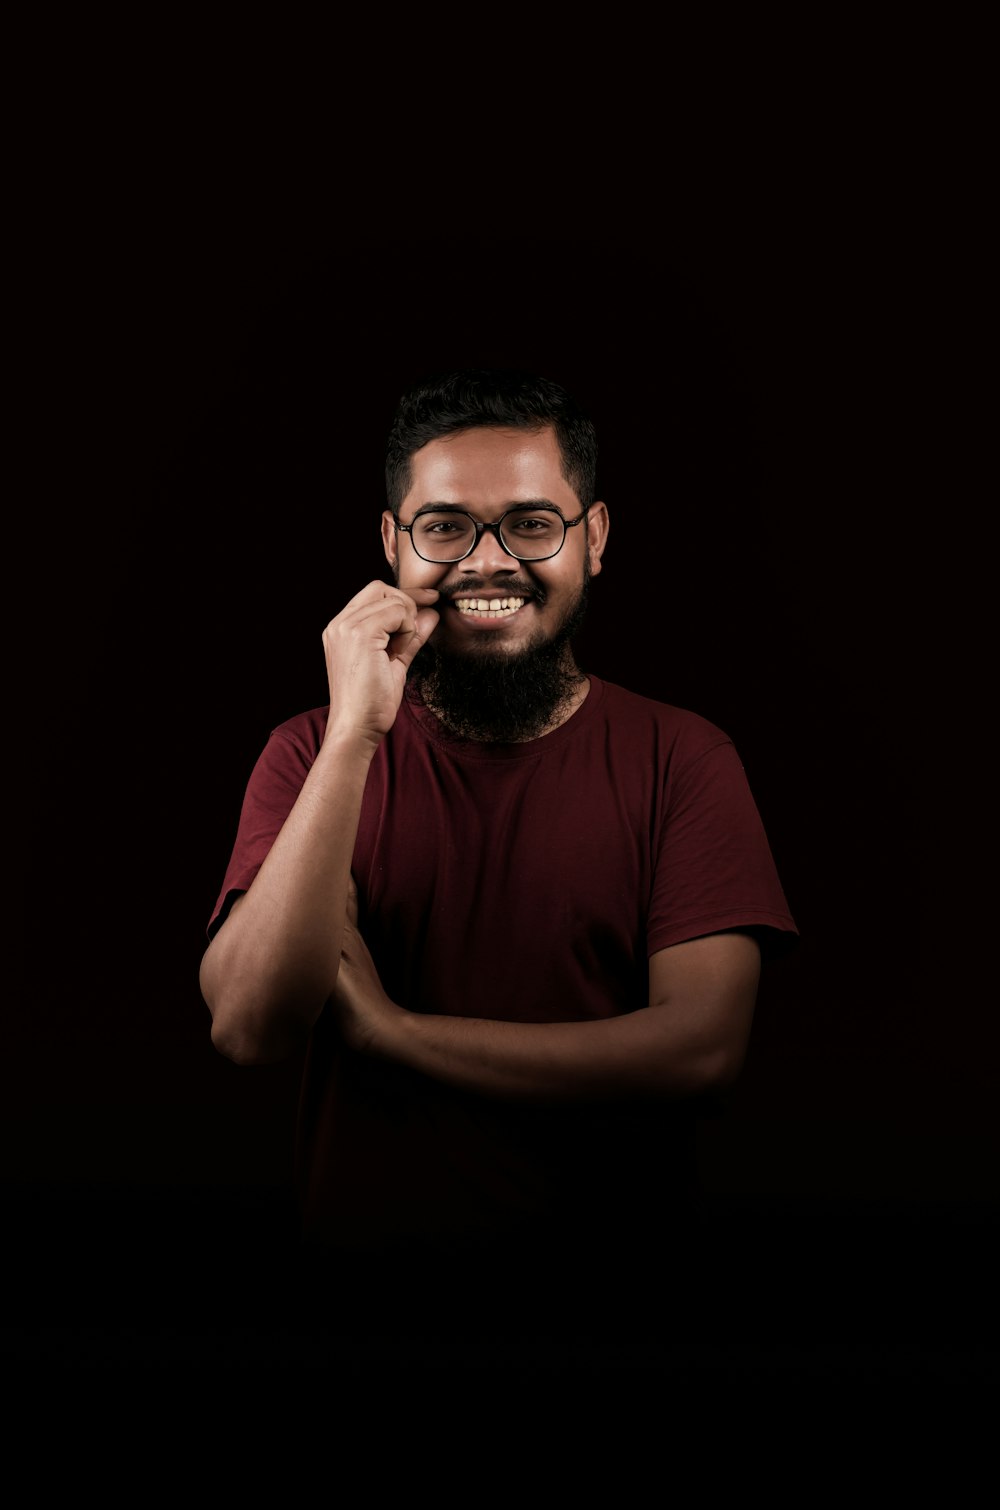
point(349, 744)
point(396, 1035)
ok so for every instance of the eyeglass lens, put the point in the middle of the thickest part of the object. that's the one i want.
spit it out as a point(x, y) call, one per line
point(448, 537)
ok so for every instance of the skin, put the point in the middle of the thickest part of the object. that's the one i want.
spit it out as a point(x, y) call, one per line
point(291, 942)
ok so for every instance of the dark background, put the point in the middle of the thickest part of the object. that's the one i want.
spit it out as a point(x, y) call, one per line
point(232, 387)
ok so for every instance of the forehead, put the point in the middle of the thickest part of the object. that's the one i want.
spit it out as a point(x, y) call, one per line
point(489, 467)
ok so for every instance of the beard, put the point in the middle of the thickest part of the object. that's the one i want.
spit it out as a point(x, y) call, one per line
point(502, 697)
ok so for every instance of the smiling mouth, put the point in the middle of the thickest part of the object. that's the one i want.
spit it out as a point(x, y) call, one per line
point(489, 608)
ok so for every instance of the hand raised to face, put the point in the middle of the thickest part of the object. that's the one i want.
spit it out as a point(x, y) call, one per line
point(369, 647)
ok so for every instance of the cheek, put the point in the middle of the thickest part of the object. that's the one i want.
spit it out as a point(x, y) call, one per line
point(570, 578)
point(417, 573)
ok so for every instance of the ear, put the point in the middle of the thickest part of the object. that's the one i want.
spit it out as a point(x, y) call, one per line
point(389, 538)
point(598, 525)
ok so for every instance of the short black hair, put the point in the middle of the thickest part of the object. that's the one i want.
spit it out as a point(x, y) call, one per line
point(446, 403)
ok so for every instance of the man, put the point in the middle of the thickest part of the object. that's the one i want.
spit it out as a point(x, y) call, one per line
point(514, 913)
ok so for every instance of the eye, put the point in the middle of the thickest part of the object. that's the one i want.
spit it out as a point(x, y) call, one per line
point(432, 526)
point(531, 524)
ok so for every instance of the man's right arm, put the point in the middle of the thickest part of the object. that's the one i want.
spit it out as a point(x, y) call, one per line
point(272, 965)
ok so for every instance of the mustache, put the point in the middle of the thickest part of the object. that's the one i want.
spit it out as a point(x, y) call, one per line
point(512, 588)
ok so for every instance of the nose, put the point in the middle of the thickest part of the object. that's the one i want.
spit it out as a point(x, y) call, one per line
point(489, 555)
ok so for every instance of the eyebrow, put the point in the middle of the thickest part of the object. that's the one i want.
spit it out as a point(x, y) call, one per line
point(465, 508)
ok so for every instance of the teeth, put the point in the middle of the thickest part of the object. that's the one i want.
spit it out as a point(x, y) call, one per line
point(496, 608)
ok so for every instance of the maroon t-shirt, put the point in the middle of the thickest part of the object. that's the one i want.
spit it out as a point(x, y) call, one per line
point(528, 882)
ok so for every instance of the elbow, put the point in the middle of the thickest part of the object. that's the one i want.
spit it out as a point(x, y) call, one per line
point(715, 1070)
point(251, 1033)
point(228, 1044)
point(248, 1043)
point(249, 1026)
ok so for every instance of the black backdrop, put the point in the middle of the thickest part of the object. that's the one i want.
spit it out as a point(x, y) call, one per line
point(233, 395)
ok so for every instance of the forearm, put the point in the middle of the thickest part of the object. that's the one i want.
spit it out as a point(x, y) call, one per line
point(656, 1051)
point(691, 1037)
point(271, 967)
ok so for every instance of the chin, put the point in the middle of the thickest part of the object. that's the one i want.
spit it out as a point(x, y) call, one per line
point(489, 642)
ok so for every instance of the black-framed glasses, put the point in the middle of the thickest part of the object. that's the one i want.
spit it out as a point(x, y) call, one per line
point(529, 532)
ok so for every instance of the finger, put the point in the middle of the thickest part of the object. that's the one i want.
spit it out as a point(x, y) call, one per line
point(380, 620)
point(404, 647)
point(378, 595)
point(409, 603)
point(373, 591)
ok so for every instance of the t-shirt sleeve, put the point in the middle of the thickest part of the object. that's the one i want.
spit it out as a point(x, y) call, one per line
point(714, 867)
point(274, 785)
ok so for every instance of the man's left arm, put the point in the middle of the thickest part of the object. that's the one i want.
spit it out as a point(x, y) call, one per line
point(690, 1038)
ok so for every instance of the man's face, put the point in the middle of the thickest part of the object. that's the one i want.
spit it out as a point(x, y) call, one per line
point(488, 471)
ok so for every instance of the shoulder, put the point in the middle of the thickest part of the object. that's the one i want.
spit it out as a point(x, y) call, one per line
point(679, 731)
point(303, 731)
point(290, 749)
